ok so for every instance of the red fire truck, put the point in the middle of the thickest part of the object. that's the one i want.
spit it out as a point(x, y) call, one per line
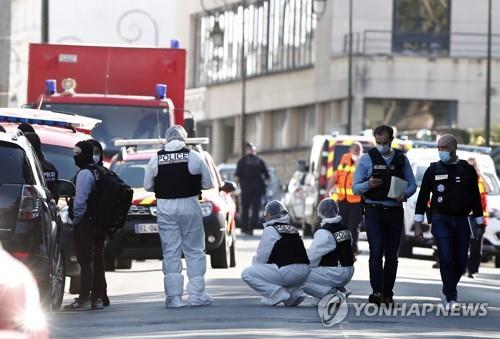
point(136, 92)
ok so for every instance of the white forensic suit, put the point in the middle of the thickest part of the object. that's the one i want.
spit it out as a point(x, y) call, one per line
point(180, 224)
point(276, 284)
point(323, 279)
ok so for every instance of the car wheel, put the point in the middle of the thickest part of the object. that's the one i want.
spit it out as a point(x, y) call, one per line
point(74, 285)
point(232, 253)
point(497, 260)
point(57, 280)
point(405, 247)
point(123, 264)
point(221, 256)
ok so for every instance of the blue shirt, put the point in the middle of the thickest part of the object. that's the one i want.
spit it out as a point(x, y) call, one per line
point(85, 181)
point(364, 171)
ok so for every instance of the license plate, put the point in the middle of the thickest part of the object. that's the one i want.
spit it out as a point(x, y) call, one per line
point(146, 228)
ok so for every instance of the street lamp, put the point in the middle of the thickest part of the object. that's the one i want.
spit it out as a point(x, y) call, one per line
point(319, 7)
point(488, 82)
point(217, 34)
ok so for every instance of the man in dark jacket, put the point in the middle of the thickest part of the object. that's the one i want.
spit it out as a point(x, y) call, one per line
point(251, 173)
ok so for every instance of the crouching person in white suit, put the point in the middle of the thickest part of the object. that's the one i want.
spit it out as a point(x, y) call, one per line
point(280, 267)
point(330, 254)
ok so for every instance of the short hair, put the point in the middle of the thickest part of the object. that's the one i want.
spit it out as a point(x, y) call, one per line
point(25, 127)
point(358, 145)
point(384, 129)
point(2, 129)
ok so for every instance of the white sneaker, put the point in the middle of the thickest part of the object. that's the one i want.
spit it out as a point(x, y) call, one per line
point(174, 302)
point(451, 305)
point(200, 300)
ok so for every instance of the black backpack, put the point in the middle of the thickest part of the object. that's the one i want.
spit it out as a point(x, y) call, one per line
point(111, 199)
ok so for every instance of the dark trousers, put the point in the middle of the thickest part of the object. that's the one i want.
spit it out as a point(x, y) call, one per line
point(250, 201)
point(351, 217)
point(89, 242)
point(383, 229)
point(452, 236)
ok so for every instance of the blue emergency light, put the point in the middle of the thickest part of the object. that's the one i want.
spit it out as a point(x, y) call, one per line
point(174, 43)
point(50, 86)
point(161, 91)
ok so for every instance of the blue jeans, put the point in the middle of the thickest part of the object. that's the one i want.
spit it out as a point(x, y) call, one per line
point(383, 229)
point(452, 236)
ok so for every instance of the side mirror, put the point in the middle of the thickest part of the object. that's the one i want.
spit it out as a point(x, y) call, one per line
point(302, 166)
point(228, 187)
point(190, 127)
point(284, 188)
point(65, 189)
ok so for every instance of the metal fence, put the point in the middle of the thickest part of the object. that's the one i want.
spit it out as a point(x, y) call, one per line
point(457, 45)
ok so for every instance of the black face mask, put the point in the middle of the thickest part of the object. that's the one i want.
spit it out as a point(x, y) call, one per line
point(86, 156)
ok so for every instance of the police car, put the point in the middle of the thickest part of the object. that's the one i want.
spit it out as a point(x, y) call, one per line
point(30, 229)
point(139, 239)
point(420, 158)
point(58, 133)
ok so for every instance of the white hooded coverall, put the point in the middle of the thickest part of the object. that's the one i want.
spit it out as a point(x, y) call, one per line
point(275, 284)
point(324, 280)
point(180, 224)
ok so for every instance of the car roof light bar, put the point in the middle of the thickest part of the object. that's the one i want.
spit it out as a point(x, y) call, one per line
point(144, 142)
point(48, 118)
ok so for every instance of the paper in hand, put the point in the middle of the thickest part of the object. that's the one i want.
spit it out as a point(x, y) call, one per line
point(398, 187)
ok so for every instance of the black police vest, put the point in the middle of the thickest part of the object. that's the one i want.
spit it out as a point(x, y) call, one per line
point(450, 187)
point(342, 254)
point(174, 180)
point(383, 171)
point(289, 249)
point(51, 175)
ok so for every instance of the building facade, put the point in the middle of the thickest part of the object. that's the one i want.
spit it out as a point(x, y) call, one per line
point(415, 65)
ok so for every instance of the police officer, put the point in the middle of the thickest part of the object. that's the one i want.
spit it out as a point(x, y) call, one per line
point(455, 194)
point(177, 175)
point(251, 173)
point(50, 172)
point(98, 156)
point(330, 253)
point(88, 237)
point(281, 266)
point(383, 216)
point(349, 204)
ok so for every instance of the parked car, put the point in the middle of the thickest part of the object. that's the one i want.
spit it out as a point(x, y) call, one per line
point(139, 238)
point(30, 229)
point(58, 134)
point(420, 159)
point(274, 190)
point(294, 197)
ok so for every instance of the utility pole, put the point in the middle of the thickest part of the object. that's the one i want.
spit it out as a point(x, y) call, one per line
point(243, 83)
point(349, 90)
point(45, 21)
point(487, 126)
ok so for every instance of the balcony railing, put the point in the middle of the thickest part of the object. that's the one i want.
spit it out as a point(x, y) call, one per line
point(457, 45)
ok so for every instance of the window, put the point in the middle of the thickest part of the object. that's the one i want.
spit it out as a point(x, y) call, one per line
point(307, 127)
point(421, 26)
point(334, 117)
point(62, 158)
point(279, 127)
point(15, 167)
point(278, 36)
point(132, 172)
point(410, 114)
point(252, 128)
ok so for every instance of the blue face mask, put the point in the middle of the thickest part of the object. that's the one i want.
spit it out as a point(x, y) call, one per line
point(445, 156)
point(383, 149)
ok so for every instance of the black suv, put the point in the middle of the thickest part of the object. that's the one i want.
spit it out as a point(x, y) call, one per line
point(29, 225)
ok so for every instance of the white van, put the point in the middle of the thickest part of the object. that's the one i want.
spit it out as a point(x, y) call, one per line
point(420, 159)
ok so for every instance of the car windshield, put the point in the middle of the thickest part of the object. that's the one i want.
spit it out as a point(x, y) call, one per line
point(132, 172)
point(119, 122)
point(13, 159)
point(340, 150)
point(62, 159)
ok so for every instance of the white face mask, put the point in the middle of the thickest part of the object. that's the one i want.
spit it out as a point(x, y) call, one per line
point(96, 159)
point(355, 157)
